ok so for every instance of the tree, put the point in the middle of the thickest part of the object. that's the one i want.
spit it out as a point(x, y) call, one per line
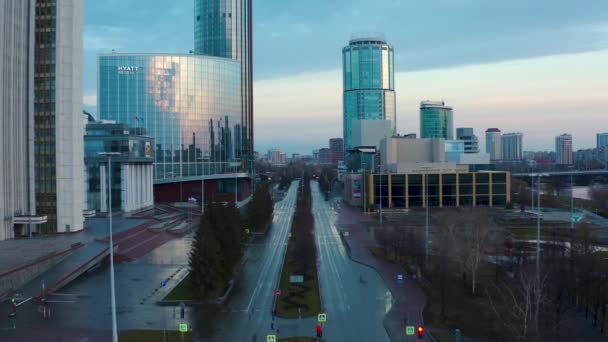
point(471, 230)
point(599, 195)
point(205, 263)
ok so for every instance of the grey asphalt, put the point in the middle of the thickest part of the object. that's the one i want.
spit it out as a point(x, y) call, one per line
point(354, 296)
point(248, 312)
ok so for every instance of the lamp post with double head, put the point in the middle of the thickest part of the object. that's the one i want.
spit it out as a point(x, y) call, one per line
point(112, 288)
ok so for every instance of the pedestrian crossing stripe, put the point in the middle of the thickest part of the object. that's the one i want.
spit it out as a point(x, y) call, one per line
point(271, 338)
point(410, 330)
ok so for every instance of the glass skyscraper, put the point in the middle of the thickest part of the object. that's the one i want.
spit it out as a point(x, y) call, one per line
point(436, 120)
point(189, 104)
point(369, 84)
point(222, 28)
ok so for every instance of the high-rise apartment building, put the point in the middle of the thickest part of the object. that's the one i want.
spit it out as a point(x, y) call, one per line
point(336, 146)
point(16, 115)
point(369, 86)
point(58, 124)
point(601, 140)
point(493, 143)
point(471, 143)
point(223, 28)
point(563, 149)
point(436, 120)
point(512, 146)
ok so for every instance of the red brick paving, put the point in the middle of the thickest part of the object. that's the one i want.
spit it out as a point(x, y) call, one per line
point(409, 299)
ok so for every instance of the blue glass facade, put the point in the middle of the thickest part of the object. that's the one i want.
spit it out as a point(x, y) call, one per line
point(369, 84)
point(189, 104)
point(222, 28)
point(436, 120)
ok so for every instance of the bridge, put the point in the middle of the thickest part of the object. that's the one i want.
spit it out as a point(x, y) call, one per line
point(560, 173)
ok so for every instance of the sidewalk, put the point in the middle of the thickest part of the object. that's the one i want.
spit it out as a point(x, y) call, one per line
point(409, 297)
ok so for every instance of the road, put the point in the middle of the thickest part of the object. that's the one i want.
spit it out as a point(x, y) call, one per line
point(248, 312)
point(354, 296)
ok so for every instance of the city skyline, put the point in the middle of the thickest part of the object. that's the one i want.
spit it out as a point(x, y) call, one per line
point(489, 88)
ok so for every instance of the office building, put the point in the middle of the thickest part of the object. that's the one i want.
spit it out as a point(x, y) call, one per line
point(405, 155)
point(493, 143)
point(563, 149)
point(444, 189)
point(16, 118)
point(325, 156)
point(471, 143)
point(132, 172)
point(436, 120)
point(455, 152)
point(58, 124)
point(512, 146)
point(601, 140)
point(223, 28)
point(336, 146)
point(369, 86)
point(191, 106)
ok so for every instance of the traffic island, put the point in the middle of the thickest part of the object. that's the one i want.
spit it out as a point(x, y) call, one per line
point(156, 336)
point(298, 294)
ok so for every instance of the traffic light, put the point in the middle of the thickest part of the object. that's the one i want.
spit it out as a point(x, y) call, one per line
point(420, 331)
point(319, 331)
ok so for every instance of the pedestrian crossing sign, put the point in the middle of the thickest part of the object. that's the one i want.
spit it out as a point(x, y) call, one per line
point(271, 338)
point(183, 327)
point(322, 317)
point(410, 330)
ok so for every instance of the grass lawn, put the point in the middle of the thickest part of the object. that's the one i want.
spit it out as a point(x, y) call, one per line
point(298, 339)
point(585, 204)
point(182, 291)
point(310, 300)
point(154, 336)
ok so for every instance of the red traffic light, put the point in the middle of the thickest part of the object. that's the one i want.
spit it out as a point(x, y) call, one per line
point(319, 331)
point(420, 331)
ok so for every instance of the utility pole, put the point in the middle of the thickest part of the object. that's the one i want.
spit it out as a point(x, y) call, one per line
point(112, 287)
point(538, 230)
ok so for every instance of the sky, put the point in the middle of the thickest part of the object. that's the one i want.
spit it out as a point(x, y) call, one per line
point(538, 67)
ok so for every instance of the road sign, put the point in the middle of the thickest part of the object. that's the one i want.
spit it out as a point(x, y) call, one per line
point(322, 317)
point(271, 338)
point(345, 234)
point(183, 327)
point(296, 278)
point(400, 278)
point(192, 200)
point(577, 217)
point(410, 330)
point(277, 293)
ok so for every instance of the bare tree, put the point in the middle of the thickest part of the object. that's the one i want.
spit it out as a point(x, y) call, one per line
point(470, 231)
point(514, 303)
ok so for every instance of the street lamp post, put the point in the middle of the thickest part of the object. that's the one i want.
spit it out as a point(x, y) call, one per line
point(538, 230)
point(364, 189)
point(112, 288)
point(201, 159)
point(380, 177)
point(236, 183)
point(571, 202)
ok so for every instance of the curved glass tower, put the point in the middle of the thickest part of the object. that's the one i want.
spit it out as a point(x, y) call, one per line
point(222, 28)
point(190, 104)
point(436, 120)
point(369, 86)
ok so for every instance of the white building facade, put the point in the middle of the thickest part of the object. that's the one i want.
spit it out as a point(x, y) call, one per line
point(563, 149)
point(512, 146)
